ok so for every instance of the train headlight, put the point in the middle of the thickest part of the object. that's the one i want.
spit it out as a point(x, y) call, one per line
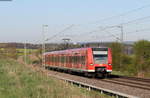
point(109, 64)
point(91, 64)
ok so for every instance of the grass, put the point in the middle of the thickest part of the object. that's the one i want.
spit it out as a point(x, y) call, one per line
point(123, 73)
point(126, 73)
point(20, 51)
point(20, 81)
point(29, 51)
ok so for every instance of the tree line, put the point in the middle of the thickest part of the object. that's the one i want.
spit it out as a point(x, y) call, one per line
point(137, 63)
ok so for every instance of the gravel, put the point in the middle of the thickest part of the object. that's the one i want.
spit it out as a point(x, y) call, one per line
point(111, 86)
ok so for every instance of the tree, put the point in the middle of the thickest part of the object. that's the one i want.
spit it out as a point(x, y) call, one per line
point(142, 56)
point(116, 55)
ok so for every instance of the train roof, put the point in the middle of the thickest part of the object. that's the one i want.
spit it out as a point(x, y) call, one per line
point(77, 49)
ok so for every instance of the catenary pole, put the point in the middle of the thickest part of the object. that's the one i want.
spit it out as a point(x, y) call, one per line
point(43, 44)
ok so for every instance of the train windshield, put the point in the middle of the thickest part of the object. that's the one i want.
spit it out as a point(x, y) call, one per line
point(100, 59)
point(100, 56)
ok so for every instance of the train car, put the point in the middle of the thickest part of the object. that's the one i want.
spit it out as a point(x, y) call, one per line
point(90, 61)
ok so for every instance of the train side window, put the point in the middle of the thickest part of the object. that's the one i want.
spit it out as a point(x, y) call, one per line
point(52, 58)
point(76, 59)
point(83, 60)
point(59, 58)
point(79, 60)
point(49, 58)
point(65, 60)
point(70, 59)
point(62, 60)
point(56, 58)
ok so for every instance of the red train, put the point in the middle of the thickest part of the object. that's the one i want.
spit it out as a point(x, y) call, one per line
point(90, 61)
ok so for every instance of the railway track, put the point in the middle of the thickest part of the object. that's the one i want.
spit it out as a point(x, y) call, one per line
point(135, 82)
point(130, 84)
point(92, 87)
point(131, 78)
point(117, 86)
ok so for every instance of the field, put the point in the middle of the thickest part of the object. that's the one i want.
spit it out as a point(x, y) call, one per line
point(19, 51)
point(20, 81)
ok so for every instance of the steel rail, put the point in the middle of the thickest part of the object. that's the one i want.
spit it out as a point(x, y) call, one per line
point(146, 80)
point(135, 78)
point(132, 81)
point(126, 84)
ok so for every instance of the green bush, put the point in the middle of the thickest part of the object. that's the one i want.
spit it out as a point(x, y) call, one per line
point(136, 64)
point(116, 55)
point(142, 56)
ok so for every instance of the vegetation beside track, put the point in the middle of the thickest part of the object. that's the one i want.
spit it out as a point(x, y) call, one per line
point(135, 64)
point(14, 53)
point(20, 81)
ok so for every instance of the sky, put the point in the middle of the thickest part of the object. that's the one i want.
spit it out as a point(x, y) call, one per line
point(22, 20)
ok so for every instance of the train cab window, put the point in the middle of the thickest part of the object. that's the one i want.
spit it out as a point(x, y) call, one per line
point(100, 57)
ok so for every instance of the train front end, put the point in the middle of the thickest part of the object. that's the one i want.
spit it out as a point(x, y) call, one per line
point(100, 60)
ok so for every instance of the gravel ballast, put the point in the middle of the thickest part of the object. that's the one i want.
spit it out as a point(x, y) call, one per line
point(111, 86)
